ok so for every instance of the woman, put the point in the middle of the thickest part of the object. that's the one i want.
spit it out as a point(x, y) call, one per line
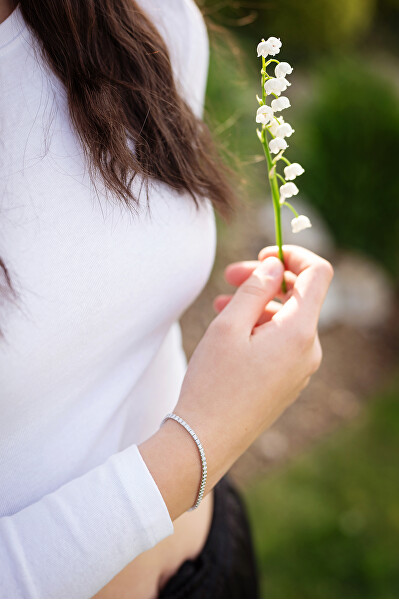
point(108, 183)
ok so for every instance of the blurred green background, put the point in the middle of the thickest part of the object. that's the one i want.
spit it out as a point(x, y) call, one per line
point(344, 106)
point(322, 487)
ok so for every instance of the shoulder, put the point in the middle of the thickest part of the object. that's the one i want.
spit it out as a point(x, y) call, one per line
point(183, 28)
point(171, 13)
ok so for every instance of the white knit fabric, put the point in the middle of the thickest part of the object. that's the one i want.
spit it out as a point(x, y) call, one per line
point(91, 359)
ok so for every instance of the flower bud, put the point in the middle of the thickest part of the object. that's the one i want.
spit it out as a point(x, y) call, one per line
point(283, 69)
point(275, 44)
point(280, 103)
point(299, 223)
point(274, 125)
point(277, 144)
point(273, 86)
point(276, 86)
point(271, 46)
point(284, 130)
point(288, 189)
point(264, 114)
point(264, 49)
point(292, 171)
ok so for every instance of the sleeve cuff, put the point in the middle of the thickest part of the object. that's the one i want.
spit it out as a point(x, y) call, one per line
point(152, 509)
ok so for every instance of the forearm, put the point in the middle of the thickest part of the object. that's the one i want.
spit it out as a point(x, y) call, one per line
point(70, 543)
point(173, 460)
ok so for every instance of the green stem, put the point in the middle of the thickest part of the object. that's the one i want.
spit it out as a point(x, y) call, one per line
point(280, 177)
point(273, 187)
point(285, 203)
point(285, 160)
point(268, 63)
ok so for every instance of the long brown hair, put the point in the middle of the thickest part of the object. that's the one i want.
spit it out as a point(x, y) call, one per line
point(117, 73)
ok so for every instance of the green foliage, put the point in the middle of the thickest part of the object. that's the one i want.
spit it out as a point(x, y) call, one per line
point(346, 119)
point(348, 143)
point(233, 82)
point(328, 525)
point(314, 25)
point(305, 27)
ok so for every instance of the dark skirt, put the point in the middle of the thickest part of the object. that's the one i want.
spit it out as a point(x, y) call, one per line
point(226, 567)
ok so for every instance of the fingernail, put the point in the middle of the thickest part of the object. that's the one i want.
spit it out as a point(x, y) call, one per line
point(271, 266)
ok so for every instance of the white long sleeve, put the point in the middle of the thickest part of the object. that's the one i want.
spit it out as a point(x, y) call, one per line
point(92, 357)
point(72, 542)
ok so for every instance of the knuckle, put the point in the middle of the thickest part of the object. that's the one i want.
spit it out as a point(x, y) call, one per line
point(304, 336)
point(262, 252)
point(254, 289)
point(222, 326)
point(266, 250)
point(316, 356)
point(326, 268)
point(315, 361)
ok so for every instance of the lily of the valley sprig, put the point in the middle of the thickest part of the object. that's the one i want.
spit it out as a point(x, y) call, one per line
point(273, 138)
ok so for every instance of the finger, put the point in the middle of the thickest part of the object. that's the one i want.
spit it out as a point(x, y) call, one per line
point(296, 258)
point(236, 273)
point(221, 301)
point(290, 280)
point(271, 309)
point(250, 299)
point(314, 276)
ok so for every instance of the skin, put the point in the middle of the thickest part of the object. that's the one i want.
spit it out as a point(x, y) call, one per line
point(251, 364)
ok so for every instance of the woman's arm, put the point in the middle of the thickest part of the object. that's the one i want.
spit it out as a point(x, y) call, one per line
point(251, 364)
point(76, 539)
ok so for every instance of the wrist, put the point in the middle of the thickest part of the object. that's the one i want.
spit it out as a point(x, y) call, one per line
point(173, 460)
point(197, 441)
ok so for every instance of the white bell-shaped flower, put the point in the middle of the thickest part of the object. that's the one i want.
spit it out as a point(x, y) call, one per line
point(299, 223)
point(275, 124)
point(284, 130)
point(284, 83)
point(273, 86)
point(293, 170)
point(288, 189)
point(283, 69)
point(276, 85)
point(280, 103)
point(264, 49)
point(275, 43)
point(270, 46)
point(277, 144)
point(264, 114)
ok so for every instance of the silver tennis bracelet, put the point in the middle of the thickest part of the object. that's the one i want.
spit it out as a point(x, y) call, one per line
point(201, 451)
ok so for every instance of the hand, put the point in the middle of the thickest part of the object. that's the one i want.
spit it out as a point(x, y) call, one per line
point(236, 273)
point(257, 354)
point(252, 362)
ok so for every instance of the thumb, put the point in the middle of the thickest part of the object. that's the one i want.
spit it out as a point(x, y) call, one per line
point(250, 299)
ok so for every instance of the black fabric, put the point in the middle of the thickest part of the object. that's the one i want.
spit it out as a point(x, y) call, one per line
point(226, 567)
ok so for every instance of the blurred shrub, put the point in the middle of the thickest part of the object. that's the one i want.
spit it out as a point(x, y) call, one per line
point(304, 26)
point(326, 525)
point(319, 25)
point(385, 5)
point(387, 23)
point(349, 146)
